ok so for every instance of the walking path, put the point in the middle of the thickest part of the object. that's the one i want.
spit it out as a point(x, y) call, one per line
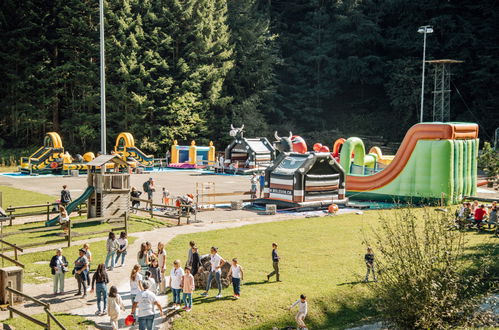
point(120, 276)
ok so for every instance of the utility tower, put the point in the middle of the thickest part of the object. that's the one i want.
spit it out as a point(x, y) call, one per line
point(441, 90)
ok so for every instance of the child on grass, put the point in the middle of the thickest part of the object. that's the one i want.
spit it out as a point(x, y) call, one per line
point(236, 271)
point(188, 287)
point(302, 311)
point(369, 259)
point(175, 283)
point(115, 306)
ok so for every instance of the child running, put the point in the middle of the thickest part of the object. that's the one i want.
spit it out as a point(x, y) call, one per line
point(175, 283)
point(188, 287)
point(236, 271)
point(115, 306)
point(302, 312)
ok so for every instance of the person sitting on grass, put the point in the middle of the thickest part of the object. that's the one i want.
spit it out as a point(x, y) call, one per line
point(188, 288)
point(115, 306)
point(175, 283)
point(100, 281)
point(302, 311)
point(236, 271)
point(479, 217)
point(369, 260)
point(216, 262)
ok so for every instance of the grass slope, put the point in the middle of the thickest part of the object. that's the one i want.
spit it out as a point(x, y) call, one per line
point(17, 197)
point(321, 257)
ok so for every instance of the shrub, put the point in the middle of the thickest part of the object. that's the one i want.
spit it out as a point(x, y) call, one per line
point(425, 281)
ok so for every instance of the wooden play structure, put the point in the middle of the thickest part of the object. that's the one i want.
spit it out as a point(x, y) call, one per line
point(192, 156)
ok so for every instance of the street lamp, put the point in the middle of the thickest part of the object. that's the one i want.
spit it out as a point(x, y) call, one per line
point(102, 81)
point(424, 30)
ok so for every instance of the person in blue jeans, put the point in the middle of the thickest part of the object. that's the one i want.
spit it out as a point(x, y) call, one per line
point(145, 302)
point(111, 247)
point(236, 271)
point(176, 283)
point(99, 283)
point(122, 249)
point(216, 262)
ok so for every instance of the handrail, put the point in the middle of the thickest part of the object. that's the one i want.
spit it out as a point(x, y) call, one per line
point(13, 208)
point(28, 317)
point(14, 261)
point(52, 316)
point(24, 295)
point(12, 245)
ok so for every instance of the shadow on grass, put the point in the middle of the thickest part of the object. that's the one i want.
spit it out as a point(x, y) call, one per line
point(351, 283)
point(257, 283)
point(207, 300)
point(484, 253)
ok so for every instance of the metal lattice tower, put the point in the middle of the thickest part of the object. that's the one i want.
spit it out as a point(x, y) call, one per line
point(441, 90)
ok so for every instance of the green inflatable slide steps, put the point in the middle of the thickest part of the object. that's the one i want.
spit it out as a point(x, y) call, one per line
point(72, 206)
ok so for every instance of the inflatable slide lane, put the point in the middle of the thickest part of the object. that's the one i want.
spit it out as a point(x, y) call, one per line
point(435, 161)
point(73, 205)
point(45, 159)
point(125, 147)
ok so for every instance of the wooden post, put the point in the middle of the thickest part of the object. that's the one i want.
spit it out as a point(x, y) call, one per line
point(69, 233)
point(1, 199)
point(151, 210)
point(188, 214)
point(15, 253)
point(11, 299)
point(48, 317)
point(10, 216)
point(48, 211)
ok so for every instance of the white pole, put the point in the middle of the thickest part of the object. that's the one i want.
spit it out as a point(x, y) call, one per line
point(102, 82)
point(422, 75)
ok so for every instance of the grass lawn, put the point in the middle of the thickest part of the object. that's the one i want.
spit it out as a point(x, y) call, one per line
point(320, 257)
point(17, 197)
point(72, 322)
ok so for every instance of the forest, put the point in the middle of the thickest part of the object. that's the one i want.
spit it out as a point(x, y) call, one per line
point(187, 69)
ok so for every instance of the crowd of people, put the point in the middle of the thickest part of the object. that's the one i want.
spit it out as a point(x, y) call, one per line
point(478, 215)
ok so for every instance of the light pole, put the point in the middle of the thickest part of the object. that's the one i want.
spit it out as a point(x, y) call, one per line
point(423, 29)
point(102, 82)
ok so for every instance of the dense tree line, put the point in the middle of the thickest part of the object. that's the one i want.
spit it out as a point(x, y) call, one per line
point(184, 69)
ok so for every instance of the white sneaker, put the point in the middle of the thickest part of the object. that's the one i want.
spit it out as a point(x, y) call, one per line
point(176, 307)
point(219, 296)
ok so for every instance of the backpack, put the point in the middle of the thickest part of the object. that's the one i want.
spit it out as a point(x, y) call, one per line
point(145, 186)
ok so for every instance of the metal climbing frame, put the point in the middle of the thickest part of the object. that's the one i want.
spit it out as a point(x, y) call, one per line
point(204, 195)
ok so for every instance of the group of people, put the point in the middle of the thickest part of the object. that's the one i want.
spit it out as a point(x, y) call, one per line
point(476, 214)
point(257, 181)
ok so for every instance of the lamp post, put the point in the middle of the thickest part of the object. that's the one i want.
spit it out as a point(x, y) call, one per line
point(102, 81)
point(424, 30)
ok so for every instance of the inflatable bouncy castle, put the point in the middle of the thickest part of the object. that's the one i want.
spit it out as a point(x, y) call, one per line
point(125, 147)
point(436, 161)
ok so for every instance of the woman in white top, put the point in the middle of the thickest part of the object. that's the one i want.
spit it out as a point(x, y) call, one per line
point(236, 271)
point(162, 266)
point(175, 283)
point(216, 262)
point(122, 250)
point(135, 282)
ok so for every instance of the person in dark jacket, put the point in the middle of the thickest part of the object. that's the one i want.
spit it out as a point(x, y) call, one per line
point(65, 196)
point(99, 282)
point(135, 194)
point(59, 267)
point(196, 261)
point(81, 265)
point(369, 260)
point(275, 263)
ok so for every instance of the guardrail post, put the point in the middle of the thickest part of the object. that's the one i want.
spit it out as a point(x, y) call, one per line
point(48, 211)
point(48, 317)
point(15, 253)
point(189, 214)
point(69, 233)
point(11, 299)
point(10, 215)
point(126, 222)
point(151, 209)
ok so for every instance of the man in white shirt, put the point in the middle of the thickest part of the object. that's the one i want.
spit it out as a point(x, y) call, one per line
point(216, 262)
point(145, 301)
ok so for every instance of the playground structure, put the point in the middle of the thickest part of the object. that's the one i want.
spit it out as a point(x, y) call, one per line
point(312, 179)
point(125, 147)
point(247, 155)
point(192, 156)
point(52, 159)
point(435, 161)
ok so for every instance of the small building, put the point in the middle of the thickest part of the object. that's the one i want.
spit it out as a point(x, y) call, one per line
point(109, 176)
point(313, 179)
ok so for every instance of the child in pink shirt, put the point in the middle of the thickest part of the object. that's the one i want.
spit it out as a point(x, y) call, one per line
point(188, 287)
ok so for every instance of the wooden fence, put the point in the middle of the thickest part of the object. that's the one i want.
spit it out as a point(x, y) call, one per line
point(46, 209)
point(167, 211)
point(210, 199)
point(46, 308)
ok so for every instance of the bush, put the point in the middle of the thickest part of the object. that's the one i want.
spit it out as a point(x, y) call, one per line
point(425, 281)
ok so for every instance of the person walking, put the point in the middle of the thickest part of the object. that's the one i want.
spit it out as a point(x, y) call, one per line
point(111, 247)
point(302, 311)
point(216, 262)
point(236, 271)
point(122, 249)
point(262, 183)
point(175, 283)
point(254, 181)
point(188, 288)
point(65, 196)
point(88, 254)
point(369, 260)
point(99, 283)
point(162, 266)
point(275, 263)
point(59, 267)
point(145, 303)
point(149, 189)
point(134, 193)
point(135, 282)
point(81, 264)
point(115, 306)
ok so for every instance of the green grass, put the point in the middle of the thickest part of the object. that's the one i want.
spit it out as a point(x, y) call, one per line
point(17, 197)
point(321, 257)
point(72, 322)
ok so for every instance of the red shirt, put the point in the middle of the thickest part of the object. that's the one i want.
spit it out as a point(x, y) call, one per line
point(479, 214)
